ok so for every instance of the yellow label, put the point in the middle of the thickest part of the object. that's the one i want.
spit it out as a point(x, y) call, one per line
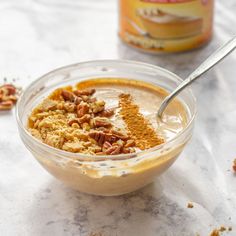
point(166, 25)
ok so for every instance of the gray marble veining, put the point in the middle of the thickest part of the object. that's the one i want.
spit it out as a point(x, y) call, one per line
point(37, 36)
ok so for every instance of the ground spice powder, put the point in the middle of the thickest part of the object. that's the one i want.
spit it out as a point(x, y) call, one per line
point(140, 130)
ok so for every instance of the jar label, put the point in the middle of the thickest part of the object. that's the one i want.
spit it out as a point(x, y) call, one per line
point(166, 25)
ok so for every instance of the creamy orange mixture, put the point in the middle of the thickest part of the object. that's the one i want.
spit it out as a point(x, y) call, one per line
point(105, 117)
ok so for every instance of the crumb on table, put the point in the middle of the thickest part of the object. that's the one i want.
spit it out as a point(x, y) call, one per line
point(234, 165)
point(190, 205)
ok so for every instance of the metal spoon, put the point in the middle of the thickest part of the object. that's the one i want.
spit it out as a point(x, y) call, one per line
point(211, 61)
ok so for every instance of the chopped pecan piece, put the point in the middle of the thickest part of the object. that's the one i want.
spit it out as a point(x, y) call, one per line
point(68, 96)
point(100, 153)
point(130, 143)
point(78, 100)
point(70, 107)
point(98, 106)
point(101, 122)
point(106, 146)
point(72, 121)
point(92, 100)
point(114, 150)
point(110, 138)
point(127, 150)
point(82, 109)
point(107, 113)
point(75, 126)
point(87, 92)
point(86, 118)
point(84, 98)
point(119, 134)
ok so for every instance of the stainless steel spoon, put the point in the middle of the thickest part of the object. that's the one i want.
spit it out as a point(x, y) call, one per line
point(211, 61)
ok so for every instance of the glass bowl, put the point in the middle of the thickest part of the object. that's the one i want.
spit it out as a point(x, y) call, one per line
point(104, 175)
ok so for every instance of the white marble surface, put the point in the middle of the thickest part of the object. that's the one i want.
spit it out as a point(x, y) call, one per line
point(39, 35)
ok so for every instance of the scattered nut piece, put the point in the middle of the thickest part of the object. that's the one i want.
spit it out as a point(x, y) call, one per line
point(6, 105)
point(8, 96)
point(222, 229)
point(234, 165)
point(190, 205)
point(215, 232)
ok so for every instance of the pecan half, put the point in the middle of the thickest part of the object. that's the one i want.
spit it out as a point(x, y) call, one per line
point(98, 136)
point(87, 92)
point(82, 109)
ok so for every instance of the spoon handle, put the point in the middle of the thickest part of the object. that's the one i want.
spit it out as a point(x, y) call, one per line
point(212, 60)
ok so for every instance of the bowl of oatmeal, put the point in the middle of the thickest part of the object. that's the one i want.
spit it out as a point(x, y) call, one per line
point(92, 125)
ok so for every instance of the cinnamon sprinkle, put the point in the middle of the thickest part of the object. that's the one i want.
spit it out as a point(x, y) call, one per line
point(140, 129)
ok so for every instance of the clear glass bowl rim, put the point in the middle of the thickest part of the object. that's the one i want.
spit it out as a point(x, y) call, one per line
point(85, 157)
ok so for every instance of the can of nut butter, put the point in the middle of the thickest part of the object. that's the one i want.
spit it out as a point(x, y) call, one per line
point(166, 25)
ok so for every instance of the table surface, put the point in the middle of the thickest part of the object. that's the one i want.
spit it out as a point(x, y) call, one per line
point(37, 36)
